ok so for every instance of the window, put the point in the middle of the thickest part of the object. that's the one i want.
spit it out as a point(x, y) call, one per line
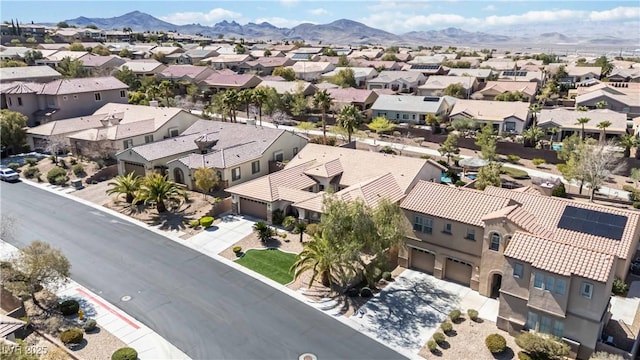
point(255, 167)
point(320, 187)
point(558, 328)
point(518, 270)
point(423, 224)
point(64, 98)
point(397, 116)
point(278, 156)
point(545, 325)
point(127, 143)
point(235, 174)
point(586, 290)
point(123, 94)
point(75, 97)
point(561, 286)
point(295, 151)
point(9, 100)
point(548, 283)
point(19, 101)
point(495, 242)
point(447, 228)
point(532, 321)
point(173, 132)
point(471, 234)
point(509, 126)
point(405, 116)
point(148, 139)
point(538, 279)
point(97, 96)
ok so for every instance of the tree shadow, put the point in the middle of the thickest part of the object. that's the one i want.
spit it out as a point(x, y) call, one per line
point(272, 243)
point(76, 347)
point(451, 333)
point(505, 355)
point(445, 345)
point(87, 307)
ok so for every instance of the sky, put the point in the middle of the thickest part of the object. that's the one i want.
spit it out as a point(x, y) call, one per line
point(391, 15)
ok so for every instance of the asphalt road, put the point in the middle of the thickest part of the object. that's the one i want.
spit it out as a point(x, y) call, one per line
point(205, 308)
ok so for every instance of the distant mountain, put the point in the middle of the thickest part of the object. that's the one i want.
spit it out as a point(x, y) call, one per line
point(348, 32)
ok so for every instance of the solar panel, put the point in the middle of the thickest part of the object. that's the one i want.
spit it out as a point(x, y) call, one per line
point(425, 67)
point(593, 222)
point(514, 73)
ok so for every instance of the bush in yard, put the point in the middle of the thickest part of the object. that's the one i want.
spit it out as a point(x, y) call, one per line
point(636, 204)
point(516, 174)
point(13, 166)
point(55, 176)
point(72, 336)
point(277, 217)
point(540, 346)
point(78, 170)
point(473, 314)
point(237, 249)
point(312, 229)
point(634, 193)
point(73, 161)
point(460, 183)
point(31, 161)
point(495, 343)
point(89, 325)
point(386, 276)
point(125, 353)
point(514, 159)
point(289, 222)
point(559, 191)
point(439, 338)
point(62, 163)
point(366, 292)
point(443, 163)
point(431, 345)
point(454, 315)
point(30, 172)
point(446, 327)
point(601, 355)
point(206, 221)
point(537, 162)
point(194, 223)
point(69, 307)
point(619, 287)
point(524, 356)
point(52, 158)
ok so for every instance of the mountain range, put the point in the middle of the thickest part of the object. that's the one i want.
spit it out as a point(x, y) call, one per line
point(343, 32)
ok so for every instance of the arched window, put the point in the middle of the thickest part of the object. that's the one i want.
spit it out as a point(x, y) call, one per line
point(495, 242)
point(178, 176)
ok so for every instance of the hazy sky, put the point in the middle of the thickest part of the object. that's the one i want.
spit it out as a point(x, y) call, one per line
point(394, 16)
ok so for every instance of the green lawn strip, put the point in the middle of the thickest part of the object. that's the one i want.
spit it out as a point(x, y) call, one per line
point(273, 264)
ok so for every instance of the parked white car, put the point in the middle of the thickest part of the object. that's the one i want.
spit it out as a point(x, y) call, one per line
point(7, 174)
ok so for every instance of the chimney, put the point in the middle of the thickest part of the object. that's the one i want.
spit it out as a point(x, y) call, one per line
point(153, 103)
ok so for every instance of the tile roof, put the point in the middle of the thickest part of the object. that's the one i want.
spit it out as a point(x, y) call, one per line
point(312, 66)
point(234, 80)
point(458, 204)
point(567, 119)
point(631, 100)
point(59, 55)
point(490, 110)
point(560, 258)
point(81, 85)
point(391, 76)
point(481, 73)
point(270, 62)
point(267, 188)
point(440, 82)
point(8, 74)
point(143, 66)
point(583, 70)
point(408, 103)
point(91, 60)
point(178, 71)
point(283, 87)
point(351, 95)
point(326, 170)
point(527, 88)
point(358, 72)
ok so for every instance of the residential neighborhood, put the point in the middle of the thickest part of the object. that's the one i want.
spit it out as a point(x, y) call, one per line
point(328, 191)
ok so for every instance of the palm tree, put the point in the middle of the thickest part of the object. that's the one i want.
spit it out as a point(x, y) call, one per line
point(323, 100)
point(582, 121)
point(628, 141)
point(319, 257)
point(532, 135)
point(152, 92)
point(231, 101)
point(601, 104)
point(166, 90)
point(245, 97)
point(125, 184)
point(156, 189)
point(603, 125)
point(260, 96)
point(349, 119)
point(263, 231)
point(553, 131)
point(535, 109)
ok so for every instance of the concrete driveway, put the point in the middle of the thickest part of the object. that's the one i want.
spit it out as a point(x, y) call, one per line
point(229, 231)
point(407, 312)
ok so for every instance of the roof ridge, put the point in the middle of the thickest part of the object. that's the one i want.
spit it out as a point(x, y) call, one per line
point(566, 244)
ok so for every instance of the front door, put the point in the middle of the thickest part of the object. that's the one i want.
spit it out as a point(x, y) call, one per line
point(496, 282)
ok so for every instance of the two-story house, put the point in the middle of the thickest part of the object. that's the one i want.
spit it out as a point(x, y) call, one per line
point(398, 81)
point(62, 99)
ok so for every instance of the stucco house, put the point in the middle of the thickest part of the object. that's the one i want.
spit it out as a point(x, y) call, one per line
point(189, 73)
point(237, 152)
point(411, 109)
point(290, 87)
point(624, 75)
point(317, 170)
point(360, 74)
point(101, 65)
point(360, 98)
point(62, 99)
point(220, 82)
point(509, 117)
point(398, 81)
point(566, 120)
point(41, 73)
point(578, 74)
point(550, 261)
point(265, 65)
point(311, 70)
point(112, 128)
point(435, 85)
point(620, 99)
point(146, 67)
point(481, 75)
point(495, 88)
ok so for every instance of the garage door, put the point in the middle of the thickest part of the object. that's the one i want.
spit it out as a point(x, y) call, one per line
point(136, 168)
point(253, 208)
point(422, 260)
point(458, 271)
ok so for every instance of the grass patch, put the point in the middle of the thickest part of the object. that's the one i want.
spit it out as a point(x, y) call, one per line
point(515, 173)
point(273, 264)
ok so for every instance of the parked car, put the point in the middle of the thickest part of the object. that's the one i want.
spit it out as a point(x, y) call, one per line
point(7, 174)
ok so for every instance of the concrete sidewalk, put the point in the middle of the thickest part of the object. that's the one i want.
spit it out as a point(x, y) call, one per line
point(147, 343)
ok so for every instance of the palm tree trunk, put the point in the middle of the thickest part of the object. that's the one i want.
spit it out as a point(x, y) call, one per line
point(582, 133)
point(324, 127)
point(260, 113)
point(593, 192)
point(349, 135)
point(325, 279)
point(129, 198)
point(161, 207)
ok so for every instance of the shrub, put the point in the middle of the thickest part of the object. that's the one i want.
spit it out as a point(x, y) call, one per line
point(443, 163)
point(495, 343)
point(542, 346)
point(277, 217)
point(289, 222)
point(454, 315)
point(13, 166)
point(439, 338)
point(299, 228)
point(634, 193)
point(431, 345)
point(636, 204)
point(237, 249)
point(425, 157)
point(386, 276)
point(30, 172)
point(206, 221)
point(312, 229)
point(72, 336)
point(31, 161)
point(601, 355)
point(52, 158)
point(559, 191)
point(446, 327)
point(366, 292)
point(89, 325)
point(62, 163)
point(194, 223)
point(515, 173)
point(524, 356)
point(460, 183)
point(55, 176)
point(619, 287)
point(514, 159)
point(73, 161)
point(537, 161)
point(387, 150)
point(78, 170)
point(125, 353)
point(473, 314)
point(69, 307)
